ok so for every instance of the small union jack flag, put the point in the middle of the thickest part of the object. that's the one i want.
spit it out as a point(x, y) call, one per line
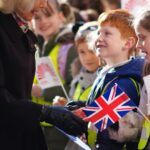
point(108, 108)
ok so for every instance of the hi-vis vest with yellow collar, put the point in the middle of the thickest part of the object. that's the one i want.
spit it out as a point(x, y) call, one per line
point(145, 135)
point(53, 55)
point(83, 96)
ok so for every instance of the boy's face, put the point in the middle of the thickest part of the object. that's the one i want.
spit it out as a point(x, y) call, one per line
point(110, 44)
point(87, 57)
point(143, 41)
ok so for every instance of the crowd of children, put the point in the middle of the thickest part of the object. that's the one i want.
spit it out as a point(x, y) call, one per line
point(108, 52)
point(89, 57)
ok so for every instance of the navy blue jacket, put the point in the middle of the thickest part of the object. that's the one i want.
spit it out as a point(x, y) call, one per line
point(128, 77)
point(121, 75)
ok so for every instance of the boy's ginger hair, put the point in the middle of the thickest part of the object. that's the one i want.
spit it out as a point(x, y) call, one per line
point(122, 20)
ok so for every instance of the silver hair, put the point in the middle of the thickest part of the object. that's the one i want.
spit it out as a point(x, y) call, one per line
point(9, 6)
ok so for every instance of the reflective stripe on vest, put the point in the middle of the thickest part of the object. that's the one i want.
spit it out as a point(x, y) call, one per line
point(81, 96)
point(136, 86)
point(144, 135)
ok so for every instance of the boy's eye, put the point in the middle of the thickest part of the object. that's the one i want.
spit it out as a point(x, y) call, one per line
point(37, 18)
point(107, 33)
point(81, 51)
point(49, 15)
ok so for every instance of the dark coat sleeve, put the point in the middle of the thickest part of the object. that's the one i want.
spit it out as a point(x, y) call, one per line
point(12, 107)
point(16, 73)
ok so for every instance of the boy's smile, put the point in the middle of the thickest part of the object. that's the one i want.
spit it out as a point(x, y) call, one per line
point(110, 44)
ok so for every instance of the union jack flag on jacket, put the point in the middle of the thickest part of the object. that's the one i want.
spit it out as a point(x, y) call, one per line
point(108, 108)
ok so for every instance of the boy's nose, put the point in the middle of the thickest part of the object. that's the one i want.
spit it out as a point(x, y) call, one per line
point(99, 40)
point(100, 37)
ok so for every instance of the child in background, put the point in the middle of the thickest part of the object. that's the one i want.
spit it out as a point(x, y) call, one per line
point(116, 45)
point(86, 73)
point(111, 4)
point(84, 41)
point(53, 24)
point(142, 27)
point(84, 68)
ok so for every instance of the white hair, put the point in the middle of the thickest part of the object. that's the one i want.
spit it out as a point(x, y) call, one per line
point(9, 6)
point(87, 33)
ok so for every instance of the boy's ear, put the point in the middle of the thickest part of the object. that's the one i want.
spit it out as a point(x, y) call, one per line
point(130, 42)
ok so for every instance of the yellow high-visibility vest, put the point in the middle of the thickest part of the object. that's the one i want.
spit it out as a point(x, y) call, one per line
point(53, 55)
point(145, 134)
point(81, 96)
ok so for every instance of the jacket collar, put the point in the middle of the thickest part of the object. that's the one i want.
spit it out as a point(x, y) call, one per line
point(23, 24)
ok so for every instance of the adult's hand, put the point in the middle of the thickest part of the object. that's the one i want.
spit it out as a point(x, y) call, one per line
point(64, 119)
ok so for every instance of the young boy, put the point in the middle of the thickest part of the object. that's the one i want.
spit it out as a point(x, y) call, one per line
point(116, 44)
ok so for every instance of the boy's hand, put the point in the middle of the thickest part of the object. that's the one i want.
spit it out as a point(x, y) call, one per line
point(59, 101)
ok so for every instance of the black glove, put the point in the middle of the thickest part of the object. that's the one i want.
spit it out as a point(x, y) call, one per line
point(63, 119)
point(75, 105)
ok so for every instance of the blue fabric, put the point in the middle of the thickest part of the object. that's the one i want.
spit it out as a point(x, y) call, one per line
point(133, 69)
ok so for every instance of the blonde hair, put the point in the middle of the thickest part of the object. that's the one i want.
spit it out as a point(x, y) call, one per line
point(9, 6)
